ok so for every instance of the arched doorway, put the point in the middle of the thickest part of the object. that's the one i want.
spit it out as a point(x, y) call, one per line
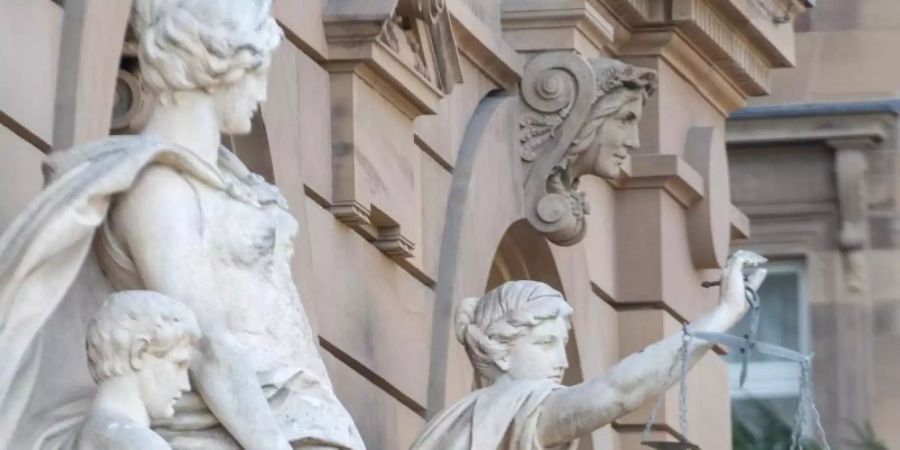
point(524, 254)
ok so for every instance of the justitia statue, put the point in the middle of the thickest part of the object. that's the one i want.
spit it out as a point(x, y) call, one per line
point(516, 337)
point(171, 211)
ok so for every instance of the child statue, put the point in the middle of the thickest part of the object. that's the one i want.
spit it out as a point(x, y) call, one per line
point(516, 338)
point(139, 347)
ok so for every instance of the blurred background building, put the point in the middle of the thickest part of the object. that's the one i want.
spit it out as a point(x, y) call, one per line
point(815, 167)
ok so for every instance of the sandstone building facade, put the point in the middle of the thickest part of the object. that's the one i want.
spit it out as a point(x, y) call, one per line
point(396, 139)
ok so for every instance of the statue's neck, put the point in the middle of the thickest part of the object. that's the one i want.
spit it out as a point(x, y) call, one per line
point(120, 395)
point(190, 122)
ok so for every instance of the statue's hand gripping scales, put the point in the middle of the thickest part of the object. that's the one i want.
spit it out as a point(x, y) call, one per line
point(516, 338)
point(171, 211)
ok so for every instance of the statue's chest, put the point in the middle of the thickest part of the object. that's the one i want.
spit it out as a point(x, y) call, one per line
point(241, 233)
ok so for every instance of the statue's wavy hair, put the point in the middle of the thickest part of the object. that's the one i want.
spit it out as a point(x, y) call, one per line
point(488, 326)
point(202, 44)
point(163, 323)
point(617, 84)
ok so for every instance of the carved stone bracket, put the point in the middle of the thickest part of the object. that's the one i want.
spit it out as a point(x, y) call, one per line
point(390, 61)
point(405, 42)
point(558, 92)
point(850, 167)
point(421, 34)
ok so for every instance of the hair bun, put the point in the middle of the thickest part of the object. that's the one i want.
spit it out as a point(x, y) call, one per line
point(465, 316)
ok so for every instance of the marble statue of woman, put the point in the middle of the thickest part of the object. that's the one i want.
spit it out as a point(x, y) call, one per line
point(171, 211)
point(516, 337)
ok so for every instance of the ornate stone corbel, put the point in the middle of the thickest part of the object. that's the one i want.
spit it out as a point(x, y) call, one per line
point(850, 168)
point(566, 101)
point(405, 52)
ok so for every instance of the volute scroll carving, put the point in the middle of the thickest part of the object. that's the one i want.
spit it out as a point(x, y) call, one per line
point(566, 103)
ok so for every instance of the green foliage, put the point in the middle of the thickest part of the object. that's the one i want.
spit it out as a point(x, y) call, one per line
point(768, 432)
point(865, 438)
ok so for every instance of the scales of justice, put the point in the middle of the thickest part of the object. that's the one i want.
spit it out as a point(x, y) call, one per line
point(745, 345)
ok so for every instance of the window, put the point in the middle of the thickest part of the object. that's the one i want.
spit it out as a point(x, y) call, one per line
point(772, 388)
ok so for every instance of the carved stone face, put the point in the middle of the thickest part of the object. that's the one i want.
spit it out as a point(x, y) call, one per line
point(236, 104)
point(540, 353)
point(616, 138)
point(162, 380)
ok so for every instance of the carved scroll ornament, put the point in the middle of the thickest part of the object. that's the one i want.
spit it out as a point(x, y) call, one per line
point(563, 111)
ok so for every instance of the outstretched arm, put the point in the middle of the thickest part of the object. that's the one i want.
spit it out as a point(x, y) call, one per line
point(570, 413)
point(161, 224)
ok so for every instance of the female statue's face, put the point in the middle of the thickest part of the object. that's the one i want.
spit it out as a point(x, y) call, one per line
point(617, 137)
point(236, 104)
point(540, 353)
point(163, 379)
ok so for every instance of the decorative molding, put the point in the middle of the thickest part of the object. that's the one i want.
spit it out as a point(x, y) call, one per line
point(558, 94)
point(722, 43)
point(850, 165)
point(633, 12)
point(485, 48)
point(406, 52)
point(421, 34)
point(726, 34)
point(406, 46)
point(667, 172)
point(762, 130)
point(669, 45)
point(536, 25)
point(740, 224)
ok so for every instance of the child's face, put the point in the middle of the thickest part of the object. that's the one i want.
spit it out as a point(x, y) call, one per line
point(163, 379)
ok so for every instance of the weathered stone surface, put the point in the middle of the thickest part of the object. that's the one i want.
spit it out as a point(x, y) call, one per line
point(516, 337)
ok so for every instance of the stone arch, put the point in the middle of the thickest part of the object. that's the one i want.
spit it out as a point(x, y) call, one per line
point(525, 254)
point(487, 240)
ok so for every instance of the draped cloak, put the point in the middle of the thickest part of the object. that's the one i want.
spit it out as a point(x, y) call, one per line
point(503, 416)
point(51, 286)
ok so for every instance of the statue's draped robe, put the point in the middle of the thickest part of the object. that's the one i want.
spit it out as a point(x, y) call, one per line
point(503, 416)
point(51, 286)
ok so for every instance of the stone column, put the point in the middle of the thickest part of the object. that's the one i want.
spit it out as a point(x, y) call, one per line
point(850, 317)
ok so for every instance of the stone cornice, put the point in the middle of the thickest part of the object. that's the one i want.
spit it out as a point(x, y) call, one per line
point(631, 12)
point(484, 47)
point(719, 41)
point(740, 224)
point(674, 48)
point(730, 34)
point(667, 172)
point(536, 25)
point(396, 48)
point(379, 67)
point(828, 128)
